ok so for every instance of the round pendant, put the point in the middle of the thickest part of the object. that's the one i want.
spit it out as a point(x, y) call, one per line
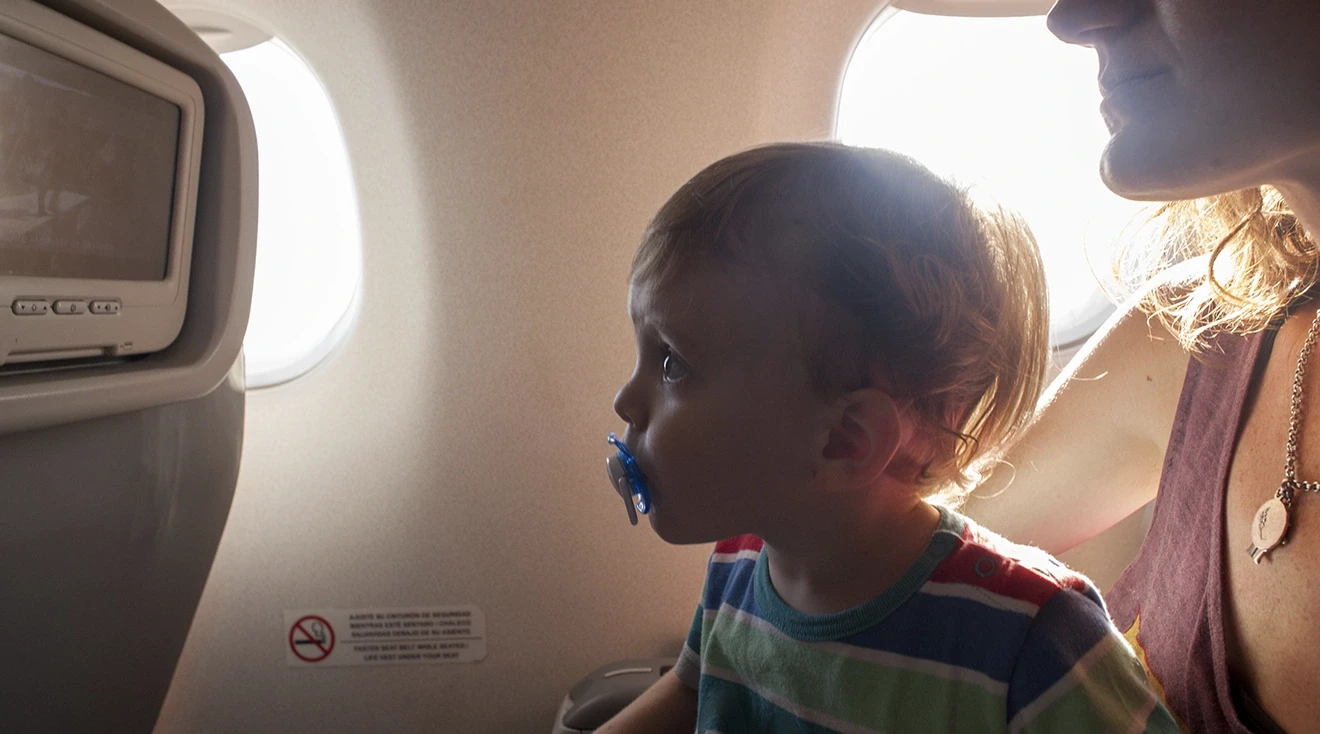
point(1270, 524)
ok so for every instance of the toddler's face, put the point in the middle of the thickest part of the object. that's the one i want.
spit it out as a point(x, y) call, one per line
point(721, 414)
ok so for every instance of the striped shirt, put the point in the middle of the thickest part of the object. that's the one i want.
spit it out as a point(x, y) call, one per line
point(980, 635)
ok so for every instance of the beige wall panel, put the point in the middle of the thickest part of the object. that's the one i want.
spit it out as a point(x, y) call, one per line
point(508, 155)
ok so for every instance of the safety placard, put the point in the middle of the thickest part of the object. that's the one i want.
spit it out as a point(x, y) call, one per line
point(391, 636)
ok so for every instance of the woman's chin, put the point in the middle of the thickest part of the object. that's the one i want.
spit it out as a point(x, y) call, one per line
point(1139, 172)
point(1145, 165)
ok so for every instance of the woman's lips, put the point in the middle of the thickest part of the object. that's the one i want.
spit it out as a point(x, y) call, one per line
point(1113, 82)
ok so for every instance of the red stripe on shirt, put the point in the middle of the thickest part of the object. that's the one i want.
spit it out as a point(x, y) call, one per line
point(1029, 576)
point(740, 543)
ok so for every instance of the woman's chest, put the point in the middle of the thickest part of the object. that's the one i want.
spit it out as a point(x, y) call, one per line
point(1272, 608)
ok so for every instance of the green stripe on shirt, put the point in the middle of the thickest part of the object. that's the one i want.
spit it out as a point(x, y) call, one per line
point(1098, 694)
point(869, 693)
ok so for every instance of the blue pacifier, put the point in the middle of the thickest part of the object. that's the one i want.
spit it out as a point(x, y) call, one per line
point(627, 479)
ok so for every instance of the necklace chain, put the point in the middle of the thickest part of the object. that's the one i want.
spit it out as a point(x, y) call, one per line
point(1291, 483)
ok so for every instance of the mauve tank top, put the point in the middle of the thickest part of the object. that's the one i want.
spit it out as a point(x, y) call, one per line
point(1169, 602)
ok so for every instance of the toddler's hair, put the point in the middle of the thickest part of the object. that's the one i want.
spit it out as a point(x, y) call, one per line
point(906, 286)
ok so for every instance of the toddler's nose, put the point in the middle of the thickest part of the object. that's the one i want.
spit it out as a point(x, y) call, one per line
point(628, 406)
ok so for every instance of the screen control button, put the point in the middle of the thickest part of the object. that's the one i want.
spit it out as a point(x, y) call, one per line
point(105, 307)
point(65, 308)
point(31, 307)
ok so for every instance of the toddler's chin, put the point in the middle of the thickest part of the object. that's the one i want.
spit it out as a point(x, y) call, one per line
point(675, 533)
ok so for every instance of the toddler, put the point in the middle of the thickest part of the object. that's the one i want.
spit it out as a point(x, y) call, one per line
point(832, 344)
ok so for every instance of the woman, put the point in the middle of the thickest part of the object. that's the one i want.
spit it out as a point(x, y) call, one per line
point(1217, 99)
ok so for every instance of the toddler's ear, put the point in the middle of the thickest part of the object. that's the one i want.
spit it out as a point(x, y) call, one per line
point(865, 436)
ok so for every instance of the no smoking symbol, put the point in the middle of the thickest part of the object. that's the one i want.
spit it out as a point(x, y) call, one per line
point(312, 639)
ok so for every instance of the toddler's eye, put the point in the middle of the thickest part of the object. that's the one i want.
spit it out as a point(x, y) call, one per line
point(672, 367)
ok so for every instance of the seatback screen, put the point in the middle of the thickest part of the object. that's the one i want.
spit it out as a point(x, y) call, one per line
point(87, 167)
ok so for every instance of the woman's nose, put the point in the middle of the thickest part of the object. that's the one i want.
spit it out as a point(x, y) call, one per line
point(1083, 21)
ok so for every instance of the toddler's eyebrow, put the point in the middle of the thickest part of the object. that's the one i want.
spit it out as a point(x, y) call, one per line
point(670, 316)
point(680, 338)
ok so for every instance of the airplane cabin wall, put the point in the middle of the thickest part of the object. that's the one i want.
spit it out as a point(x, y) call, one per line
point(507, 156)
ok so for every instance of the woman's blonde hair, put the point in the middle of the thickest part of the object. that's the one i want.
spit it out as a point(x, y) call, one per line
point(908, 283)
point(1255, 261)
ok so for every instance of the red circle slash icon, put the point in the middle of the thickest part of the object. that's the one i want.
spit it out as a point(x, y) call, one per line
point(312, 638)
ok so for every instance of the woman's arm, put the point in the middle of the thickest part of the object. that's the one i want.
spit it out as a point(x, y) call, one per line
point(1094, 452)
point(668, 706)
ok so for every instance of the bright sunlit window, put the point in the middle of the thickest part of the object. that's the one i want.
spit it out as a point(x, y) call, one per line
point(1002, 105)
point(309, 244)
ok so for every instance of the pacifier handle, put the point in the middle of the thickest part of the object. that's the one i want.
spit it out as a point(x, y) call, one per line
point(619, 478)
point(627, 479)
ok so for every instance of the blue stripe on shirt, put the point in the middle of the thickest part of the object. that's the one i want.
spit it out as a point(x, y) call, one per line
point(1066, 627)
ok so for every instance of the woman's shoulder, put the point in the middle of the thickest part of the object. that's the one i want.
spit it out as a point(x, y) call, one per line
point(1093, 453)
point(1132, 362)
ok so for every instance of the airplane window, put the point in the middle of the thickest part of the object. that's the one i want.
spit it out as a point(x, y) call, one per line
point(1002, 105)
point(309, 244)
